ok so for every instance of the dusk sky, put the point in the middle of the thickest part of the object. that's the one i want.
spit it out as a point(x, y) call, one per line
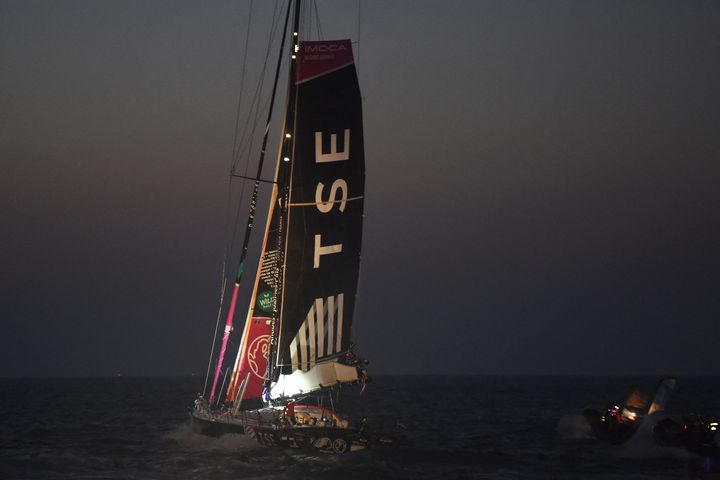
point(543, 180)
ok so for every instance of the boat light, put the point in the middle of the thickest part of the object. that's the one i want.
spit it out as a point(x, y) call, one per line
point(629, 415)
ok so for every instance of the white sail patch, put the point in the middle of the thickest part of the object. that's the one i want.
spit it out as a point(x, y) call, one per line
point(323, 375)
point(334, 155)
point(320, 335)
point(321, 250)
point(325, 207)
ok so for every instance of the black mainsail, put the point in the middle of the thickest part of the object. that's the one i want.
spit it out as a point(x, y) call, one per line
point(324, 222)
point(308, 274)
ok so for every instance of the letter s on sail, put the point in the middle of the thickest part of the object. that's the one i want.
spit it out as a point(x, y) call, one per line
point(325, 207)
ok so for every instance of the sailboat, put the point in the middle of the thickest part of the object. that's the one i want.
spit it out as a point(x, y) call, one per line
point(295, 352)
point(618, 422)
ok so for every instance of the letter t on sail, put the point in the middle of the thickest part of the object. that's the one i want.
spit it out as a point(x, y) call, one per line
point(326, 250)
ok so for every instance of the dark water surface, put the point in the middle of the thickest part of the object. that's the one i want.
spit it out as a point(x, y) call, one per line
point(456, 427)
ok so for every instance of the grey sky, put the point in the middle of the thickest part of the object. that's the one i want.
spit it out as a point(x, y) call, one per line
point(542, 183)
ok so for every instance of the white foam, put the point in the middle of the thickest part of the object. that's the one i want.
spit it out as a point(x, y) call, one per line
point(643, 444)
point(231, 442)
point(574, 426)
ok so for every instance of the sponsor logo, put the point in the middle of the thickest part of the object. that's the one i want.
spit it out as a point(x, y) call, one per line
point(266, 301)
point(333, 47)
point(258, 355)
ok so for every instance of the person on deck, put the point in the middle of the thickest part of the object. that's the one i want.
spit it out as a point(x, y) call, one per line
point(290, 412)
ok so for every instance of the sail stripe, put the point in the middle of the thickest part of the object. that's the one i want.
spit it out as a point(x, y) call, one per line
point(303, 345)
point(314, 204)
point(341, 298)
point(294, 353)
point(320, 326)
point(312, 339)
point(331, 321)
point(325, 72)
point(320, 335)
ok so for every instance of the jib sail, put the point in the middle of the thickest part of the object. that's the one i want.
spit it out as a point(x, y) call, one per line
point(251, 362)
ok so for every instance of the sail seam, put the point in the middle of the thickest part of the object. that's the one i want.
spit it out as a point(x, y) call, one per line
point(326, 72)
point(314, 204)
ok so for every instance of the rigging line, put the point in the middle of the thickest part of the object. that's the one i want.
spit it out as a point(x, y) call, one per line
point(245, 172)
point(223, 383)
point(251, 119)
point(357, 64)
point(252, 178)
point(253, 201)
point(236, 149)
point(247, 139)
point(242, 79)
point(317, 21)
point(223, 279)
point(254, 121)
point(257, 118)
point(307, 20)
point(223, 283)
point(248, 150)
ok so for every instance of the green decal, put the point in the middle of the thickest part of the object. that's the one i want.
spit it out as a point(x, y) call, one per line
point(266, 301)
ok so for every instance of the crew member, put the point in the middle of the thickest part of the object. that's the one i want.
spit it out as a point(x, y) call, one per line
point(290, 412)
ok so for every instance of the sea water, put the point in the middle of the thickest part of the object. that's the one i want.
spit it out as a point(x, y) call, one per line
point(485, 427)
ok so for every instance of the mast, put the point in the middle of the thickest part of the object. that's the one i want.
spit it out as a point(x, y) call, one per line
point(251, 214)
point(284, 184)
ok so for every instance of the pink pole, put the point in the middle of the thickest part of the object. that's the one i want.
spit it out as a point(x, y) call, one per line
point(226, 335)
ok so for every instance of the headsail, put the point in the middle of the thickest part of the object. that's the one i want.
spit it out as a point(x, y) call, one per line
point(662, 393)
point(252, 356)
point(325, 211)
point(251, 215)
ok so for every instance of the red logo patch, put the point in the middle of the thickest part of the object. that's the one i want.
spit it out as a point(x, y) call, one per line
point(258, 355)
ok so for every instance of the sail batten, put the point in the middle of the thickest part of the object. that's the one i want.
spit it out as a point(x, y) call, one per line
point(325, 204)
